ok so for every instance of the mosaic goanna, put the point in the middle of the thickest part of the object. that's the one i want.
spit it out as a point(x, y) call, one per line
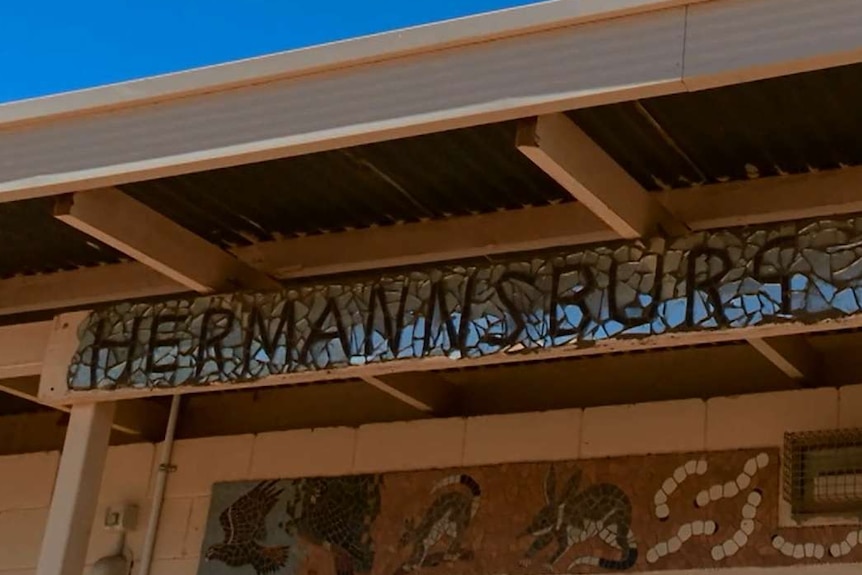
point(449, 515)
point(337, 513)
point(574, 516)
point(244, 526)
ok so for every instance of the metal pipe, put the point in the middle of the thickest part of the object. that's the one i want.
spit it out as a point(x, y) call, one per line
point(159, 489)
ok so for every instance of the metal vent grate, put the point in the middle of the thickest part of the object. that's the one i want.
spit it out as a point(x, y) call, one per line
point(823, 472)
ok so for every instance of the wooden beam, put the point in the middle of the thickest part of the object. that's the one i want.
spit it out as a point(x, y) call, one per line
point(375, 381)
point(426, 242)
point(773, 199)
point(347, 403)
point(766, 200)
point(83, 287)
point(562, 150)
point(793, 355)
point(24, 388)
point(359, 250)
point(143, 418)
point(73, 505)
point(22, 351)
point(22, 347)
point(427, 391)
point(147, 236)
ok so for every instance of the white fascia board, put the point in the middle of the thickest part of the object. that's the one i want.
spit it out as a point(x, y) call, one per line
point(331, 56)
point(735, 41)
point(587, 64)
point(671, 50)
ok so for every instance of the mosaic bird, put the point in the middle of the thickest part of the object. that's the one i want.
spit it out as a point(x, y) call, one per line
point(244, 526)
point(337, 512)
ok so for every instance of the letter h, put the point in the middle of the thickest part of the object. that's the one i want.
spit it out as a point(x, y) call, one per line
point(102, 342)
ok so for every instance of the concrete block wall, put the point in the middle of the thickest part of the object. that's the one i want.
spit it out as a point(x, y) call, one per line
point(27, 481)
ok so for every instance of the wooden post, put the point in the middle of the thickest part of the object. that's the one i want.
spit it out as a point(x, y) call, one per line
point(73, 507)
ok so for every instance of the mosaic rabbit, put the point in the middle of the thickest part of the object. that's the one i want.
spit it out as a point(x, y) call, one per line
point(449, 515)
point(574, 516)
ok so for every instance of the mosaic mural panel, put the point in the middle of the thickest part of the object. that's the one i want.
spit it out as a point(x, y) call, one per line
point(705, 281)
point(679, 511)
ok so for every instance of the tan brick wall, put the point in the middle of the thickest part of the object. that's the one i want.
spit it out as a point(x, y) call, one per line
point(761, 420)
point(718, 424)
point(664, 427)
point(545, 436)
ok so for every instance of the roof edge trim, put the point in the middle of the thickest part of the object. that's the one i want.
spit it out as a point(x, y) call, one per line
point(328, 57)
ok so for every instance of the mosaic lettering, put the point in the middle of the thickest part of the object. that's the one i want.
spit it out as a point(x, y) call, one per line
point(806, 271)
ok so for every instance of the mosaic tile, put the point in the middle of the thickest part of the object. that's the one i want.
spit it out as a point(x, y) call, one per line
point(646, 513)
point(724, 279)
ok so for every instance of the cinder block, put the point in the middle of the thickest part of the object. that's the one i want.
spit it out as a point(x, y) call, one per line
point(27, 481)
point(545, 436)
point(197, 527)
point(423, 444)
point(126, 480)
point(202, 462)
point(661, 427)
point(173, 524)
point(174, 567)
point(21, 537)
point(303, 453)
point(128, 470)
point(760, 420)
point(850, 406)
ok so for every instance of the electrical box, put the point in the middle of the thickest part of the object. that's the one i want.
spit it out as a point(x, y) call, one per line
point(121, 517)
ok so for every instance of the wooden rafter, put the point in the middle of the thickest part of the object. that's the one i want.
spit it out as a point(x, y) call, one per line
point(427, 242)
point(83, 287)
point(147, 236)
point(143, 418)
point(762, 201)
point(813, 195)
point(793, 355)
point(426, 391)
point(562, 150)
point(393, 391)
point(22, 349)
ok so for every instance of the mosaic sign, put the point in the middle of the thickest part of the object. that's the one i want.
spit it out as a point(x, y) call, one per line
point(679, 511)
point(705, 281)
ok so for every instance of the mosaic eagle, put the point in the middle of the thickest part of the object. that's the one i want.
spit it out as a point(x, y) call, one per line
point(337, 513)
point(244, 526)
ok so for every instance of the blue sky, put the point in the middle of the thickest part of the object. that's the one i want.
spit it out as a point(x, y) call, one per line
point(52, 46)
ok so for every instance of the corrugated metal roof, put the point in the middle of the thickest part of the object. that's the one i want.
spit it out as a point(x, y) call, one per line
point(786, 125)
point(32, 241)
point(459, 172)
point(792, 124)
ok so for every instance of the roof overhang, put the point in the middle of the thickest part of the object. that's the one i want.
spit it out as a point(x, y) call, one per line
point(519, 184)
point(534, 60)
